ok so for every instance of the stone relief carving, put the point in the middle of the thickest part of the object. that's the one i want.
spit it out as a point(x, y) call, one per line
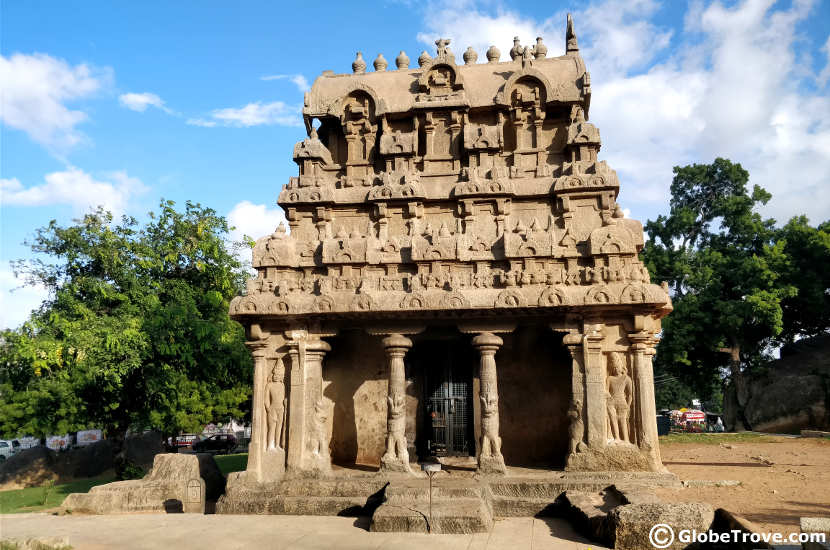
point(439, 197)
point(490, 440)
point(319, 435)
point(275, 406)
point(620, 395)
point(396, 429)
point(576, 427)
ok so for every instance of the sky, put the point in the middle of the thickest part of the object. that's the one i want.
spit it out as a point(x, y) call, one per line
point(122, 104)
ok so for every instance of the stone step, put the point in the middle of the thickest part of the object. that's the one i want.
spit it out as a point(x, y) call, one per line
point(321, 506)
point(542, 489)
point(506, 507)
point(459, 516)
point(270, 503)
point(331, 487)
point(410, 493)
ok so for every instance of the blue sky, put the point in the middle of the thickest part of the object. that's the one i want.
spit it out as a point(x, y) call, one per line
point(124, 103)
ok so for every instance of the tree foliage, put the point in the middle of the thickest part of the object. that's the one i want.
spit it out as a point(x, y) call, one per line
point(740, 286)
point(135, 333)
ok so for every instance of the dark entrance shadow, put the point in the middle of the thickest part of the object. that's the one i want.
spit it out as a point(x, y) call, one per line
point(173, 506)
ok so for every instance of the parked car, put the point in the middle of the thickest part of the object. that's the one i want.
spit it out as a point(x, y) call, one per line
point(219, 443)
point(8, 448)
point(181, 441)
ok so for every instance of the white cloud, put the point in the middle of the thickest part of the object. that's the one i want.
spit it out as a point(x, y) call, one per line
point(76, 188)
point(730, 85)
point(140, 102)
point(276, 113)
point(17, 301)
point(201, 122)
point(299, 80)
point(34, 90)
point(253, 220)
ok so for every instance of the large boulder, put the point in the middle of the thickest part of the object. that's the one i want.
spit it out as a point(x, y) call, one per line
point(32, 467)
point(177, 483)
point(28, 468)
point(789, 396)
point(630, 526)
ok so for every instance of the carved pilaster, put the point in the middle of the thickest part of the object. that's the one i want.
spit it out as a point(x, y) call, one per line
point(576, 411)
point(490, 459)
point(396, 457)
point(642, 351)
point(595, 394)
point(308, 436)
point(259, 350)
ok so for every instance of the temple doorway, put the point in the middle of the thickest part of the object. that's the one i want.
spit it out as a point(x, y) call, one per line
point(446, 367)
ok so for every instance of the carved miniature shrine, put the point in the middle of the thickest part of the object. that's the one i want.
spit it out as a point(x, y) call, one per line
point(456, 279)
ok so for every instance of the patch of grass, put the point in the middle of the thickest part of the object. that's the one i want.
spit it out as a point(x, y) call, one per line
point(716, 438)
point(232, 463)
point(36, 499)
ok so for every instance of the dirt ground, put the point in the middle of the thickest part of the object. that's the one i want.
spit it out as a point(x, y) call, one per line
point(782, 478)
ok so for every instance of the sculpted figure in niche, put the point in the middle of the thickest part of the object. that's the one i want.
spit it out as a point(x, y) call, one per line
point(620, 393)
point(490, 440)
point(319, 432)
point(576, 428)
point(396, 436)
point(275, 407)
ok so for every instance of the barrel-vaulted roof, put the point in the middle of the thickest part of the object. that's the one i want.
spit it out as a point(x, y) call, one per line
point(396, 91)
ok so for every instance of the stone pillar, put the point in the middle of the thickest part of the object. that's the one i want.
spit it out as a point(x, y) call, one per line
point(396, 457)
point(642, 350)
point(596, 407)
point(257, 446)
point(576, 410)
point(490, 459)
point(308, 438)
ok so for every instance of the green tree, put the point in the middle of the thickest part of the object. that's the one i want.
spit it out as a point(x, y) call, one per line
point(807, 249)
point(135, 333)
point(724, 265)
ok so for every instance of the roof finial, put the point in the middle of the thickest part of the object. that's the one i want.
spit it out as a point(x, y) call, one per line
point(442, 44)
point(358, 65)
point(571, 46)
point(517, 50)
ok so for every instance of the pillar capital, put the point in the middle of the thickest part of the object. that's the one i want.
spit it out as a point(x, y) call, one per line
point(259, 348)
point(643, 342)
point(397, 342)
point(487, 341)
point(317, 346)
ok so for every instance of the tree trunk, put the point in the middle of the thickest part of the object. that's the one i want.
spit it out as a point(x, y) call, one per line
point(117, 434)
point(739, 382)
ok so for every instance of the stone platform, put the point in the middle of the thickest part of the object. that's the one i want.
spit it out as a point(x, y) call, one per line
point(462, 502)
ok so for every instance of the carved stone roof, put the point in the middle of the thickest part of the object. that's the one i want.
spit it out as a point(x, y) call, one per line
point(451, 190)
point(397, 91)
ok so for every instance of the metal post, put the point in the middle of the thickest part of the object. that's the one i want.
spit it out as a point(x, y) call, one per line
point(431, 468)
point(430, 502)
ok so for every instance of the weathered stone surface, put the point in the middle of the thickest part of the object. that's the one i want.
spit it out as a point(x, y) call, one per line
point(816, 526)
point(177, 483)
point(456, 516)
point(302, 496)
point(628, 526)
point(617, 457)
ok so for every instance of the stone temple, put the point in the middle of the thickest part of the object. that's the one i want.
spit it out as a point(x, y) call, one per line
point(456, 281)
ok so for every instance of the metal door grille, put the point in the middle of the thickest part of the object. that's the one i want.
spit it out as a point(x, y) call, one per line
point(449, 405)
